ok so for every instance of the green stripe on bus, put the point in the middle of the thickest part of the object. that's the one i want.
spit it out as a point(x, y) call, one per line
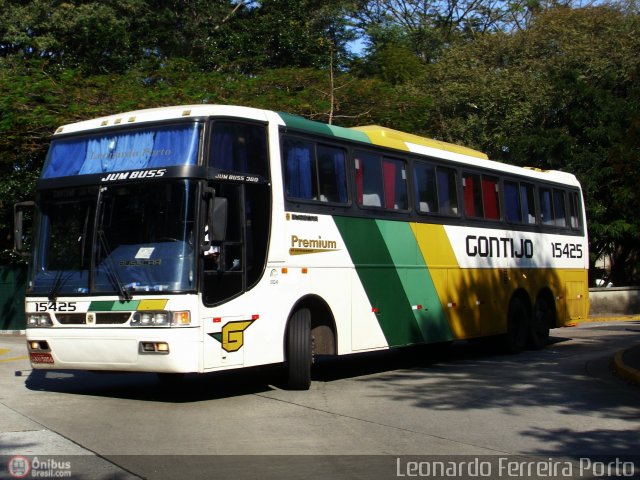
point(416, 280)
point(300, 123)
point(111, 306)
point(350, 134)
point(122, 306)
point(380, 279)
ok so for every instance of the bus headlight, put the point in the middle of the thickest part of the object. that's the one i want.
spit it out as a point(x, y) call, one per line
point(161, 319)
point(39, 320)
point(150, 319)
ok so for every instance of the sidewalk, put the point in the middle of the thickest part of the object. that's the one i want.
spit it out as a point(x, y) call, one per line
point(626, 363)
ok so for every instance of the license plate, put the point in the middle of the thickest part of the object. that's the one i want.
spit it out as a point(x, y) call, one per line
point(40, 357)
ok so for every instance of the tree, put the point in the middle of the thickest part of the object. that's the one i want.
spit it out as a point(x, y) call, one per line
point(429, 27)
point(113, 36)
point(97, 36)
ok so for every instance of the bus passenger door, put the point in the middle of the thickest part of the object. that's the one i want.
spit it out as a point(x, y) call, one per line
point(233, 265)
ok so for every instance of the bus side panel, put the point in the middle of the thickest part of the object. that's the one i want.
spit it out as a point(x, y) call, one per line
point(441, 260)
point(416, 281)
point(396, 280)
point(493, 264)
point(319, 265)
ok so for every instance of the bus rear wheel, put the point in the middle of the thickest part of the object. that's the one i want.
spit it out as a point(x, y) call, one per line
point(299, 357)
point(541, 322)
point(517, 326)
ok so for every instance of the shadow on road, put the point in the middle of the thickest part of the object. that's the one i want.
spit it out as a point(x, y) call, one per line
point(149, 387)
point(203, 387)
point(468, 378)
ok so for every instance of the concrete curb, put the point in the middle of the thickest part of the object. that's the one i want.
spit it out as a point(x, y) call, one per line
point(623, 370)
point(611, 318)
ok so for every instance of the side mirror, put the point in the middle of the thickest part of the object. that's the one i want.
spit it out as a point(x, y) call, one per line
point(218, 219)
point(215, 219)
point(18, 227)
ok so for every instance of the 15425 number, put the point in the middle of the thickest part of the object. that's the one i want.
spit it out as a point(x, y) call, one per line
point(56, 306)
point(566, 250)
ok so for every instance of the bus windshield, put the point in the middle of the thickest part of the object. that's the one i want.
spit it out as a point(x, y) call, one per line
point(142, 240)
point(165, 146)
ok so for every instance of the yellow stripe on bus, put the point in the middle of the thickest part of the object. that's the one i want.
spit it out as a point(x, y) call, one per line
point(152, 304)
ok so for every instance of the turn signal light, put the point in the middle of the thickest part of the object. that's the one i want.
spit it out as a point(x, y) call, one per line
point(181, 318)
point(38, 345)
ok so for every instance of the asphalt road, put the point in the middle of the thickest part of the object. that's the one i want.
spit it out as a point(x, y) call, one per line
point(366, 416)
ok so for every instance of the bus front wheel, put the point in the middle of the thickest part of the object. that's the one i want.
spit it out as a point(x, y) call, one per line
point(298, 361)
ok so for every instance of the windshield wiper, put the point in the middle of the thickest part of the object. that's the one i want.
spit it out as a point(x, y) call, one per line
point(57, 284)
point(112, 272)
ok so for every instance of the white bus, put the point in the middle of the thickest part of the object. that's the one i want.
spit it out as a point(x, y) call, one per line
point(205, 238)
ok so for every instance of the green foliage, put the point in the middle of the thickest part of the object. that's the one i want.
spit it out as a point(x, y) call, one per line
point(392, 63)
point(224, 35)
point(97, 36)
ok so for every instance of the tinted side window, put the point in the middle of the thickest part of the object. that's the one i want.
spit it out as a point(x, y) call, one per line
point(314, 171)
point(380, 182)
point(546, 207)
point(559, 209)
point(553, 208)
point(481, 196)
point(369, 186)
point(513, 207)
point(472, 190)
point(448, 191)
point(239, 147)
point(300, 169)
point(436, 189)
point(574, 210)
point(490, 198)
point(528, 198)
point(332, 180)
point(395, 184)
point(425, 187)
point(520, 206)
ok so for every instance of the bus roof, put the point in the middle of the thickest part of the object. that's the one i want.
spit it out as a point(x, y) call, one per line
point(165, 113)
point(371, 134)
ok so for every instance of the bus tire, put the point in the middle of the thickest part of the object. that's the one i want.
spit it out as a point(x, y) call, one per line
point(541, 322)
point(517, 326)
point(299, 359)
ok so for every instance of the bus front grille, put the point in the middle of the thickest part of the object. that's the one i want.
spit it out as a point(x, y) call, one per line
point(71, 318)
point(100, 318)
point(112, 318)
